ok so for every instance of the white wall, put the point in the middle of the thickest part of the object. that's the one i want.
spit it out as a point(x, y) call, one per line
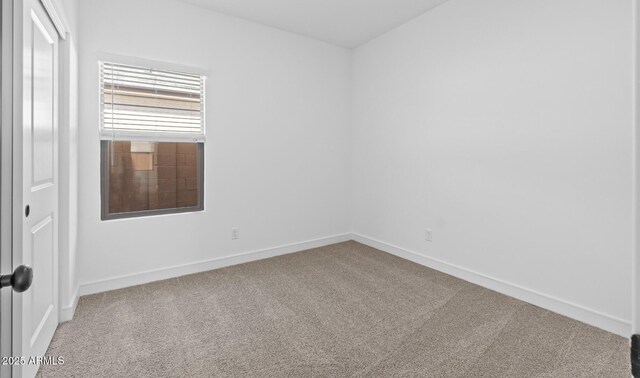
point(277, 138)
point(506, 127)
point(503, 125)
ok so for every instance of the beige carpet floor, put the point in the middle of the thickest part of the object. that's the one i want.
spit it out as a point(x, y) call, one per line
point(337, 311)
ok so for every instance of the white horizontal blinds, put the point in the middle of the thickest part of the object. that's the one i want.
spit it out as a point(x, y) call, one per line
point(147, 104)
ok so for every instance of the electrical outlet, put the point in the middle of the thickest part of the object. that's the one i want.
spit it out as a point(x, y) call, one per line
point(428, 235)
point(235, 233)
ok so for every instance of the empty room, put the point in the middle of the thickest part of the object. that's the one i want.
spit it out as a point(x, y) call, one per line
point(320, 188)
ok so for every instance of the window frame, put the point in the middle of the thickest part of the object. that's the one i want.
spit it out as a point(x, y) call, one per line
point(105, 186)
point(105, 215)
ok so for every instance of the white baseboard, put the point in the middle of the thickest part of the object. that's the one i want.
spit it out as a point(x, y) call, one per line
point(66, 313)
point(586, 315)
point(203, 266)
point(595, 318)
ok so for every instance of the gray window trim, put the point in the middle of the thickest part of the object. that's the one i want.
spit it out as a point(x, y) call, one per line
point(104, 189)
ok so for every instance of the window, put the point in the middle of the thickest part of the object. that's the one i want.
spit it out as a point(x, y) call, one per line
point(152, 141)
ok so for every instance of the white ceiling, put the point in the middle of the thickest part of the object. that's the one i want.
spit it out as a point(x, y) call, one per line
point(347, 23)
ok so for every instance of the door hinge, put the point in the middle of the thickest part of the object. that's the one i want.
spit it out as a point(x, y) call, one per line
point(635, 356)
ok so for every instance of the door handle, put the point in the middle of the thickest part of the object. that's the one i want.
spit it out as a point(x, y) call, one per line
point(20, 280)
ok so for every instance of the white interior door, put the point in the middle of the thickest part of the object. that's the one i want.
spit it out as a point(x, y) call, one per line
point(35, 315)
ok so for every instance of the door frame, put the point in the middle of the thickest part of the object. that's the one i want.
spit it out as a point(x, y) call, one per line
point(635, 265)
point(635, 318)
point(6, 179)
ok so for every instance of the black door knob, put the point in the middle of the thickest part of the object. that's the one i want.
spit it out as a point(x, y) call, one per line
point(20, 280)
